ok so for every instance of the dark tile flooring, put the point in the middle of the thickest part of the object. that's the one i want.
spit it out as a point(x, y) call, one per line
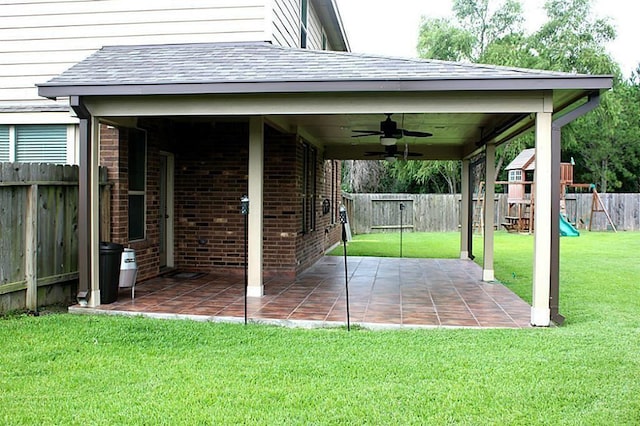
point(383, 292)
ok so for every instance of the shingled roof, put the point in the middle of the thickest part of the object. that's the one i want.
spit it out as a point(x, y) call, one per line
point(262, 67)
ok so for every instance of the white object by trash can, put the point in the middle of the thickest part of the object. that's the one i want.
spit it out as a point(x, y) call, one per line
point(128, 270)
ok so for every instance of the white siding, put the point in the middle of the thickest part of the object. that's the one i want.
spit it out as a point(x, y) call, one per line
point(41, 38)
point(314, 34)
point(286, 23)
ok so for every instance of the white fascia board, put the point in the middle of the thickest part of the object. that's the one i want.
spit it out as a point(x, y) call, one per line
point(316, 103)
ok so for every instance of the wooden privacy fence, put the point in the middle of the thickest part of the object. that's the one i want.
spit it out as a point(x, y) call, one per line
point(370, 213)
point(38, 233)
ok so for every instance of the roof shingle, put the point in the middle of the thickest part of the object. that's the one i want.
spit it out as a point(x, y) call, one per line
point(263, 62)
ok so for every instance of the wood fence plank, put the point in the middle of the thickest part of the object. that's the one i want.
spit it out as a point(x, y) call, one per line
point(31, 248)
point(38, 230)
point(441, 212)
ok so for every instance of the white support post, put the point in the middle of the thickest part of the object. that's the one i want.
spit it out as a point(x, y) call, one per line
point(94, 215)
point(540, 309)
point(489, 195)
point(464, 210)
point(255, 287)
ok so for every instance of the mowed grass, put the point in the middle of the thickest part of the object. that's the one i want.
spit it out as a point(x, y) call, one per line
point(64, 369)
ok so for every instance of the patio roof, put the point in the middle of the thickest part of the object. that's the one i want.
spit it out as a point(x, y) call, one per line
point(263, 67)
point(324, 95)
point(326, 98)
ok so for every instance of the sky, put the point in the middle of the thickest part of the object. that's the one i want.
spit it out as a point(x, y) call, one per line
point(390, 28)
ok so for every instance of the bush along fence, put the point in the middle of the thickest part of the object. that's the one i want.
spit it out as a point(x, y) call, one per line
point(371, 213)
point(38, 234)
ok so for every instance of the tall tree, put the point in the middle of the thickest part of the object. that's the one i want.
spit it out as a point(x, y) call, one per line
point(488, 22)
point(364, 176)
point(487, 31)
point(573, 40)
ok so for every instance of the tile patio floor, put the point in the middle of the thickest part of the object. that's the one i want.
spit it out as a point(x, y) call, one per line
point(383, 293)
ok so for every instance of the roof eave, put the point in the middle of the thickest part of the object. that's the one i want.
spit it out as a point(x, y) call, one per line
point(336, 34)
point(590, 83)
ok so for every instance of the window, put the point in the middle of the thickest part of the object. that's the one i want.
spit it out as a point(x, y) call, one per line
point(4, 143)
point(34, 143)
point(515, 175)
point(303, 23)
point(137, 181)
point(309, 160)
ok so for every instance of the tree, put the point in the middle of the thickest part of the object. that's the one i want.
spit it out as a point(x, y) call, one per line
point(483, 31)
point(440, 39)
point(573, 40)
point(479, 27)
point(428, 176)
point(364, 176)
point(488, 22)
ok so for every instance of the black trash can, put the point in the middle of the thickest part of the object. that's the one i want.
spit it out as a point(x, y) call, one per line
point(110, 256)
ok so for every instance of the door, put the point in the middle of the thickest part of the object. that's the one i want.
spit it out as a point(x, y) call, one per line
point(165, 214)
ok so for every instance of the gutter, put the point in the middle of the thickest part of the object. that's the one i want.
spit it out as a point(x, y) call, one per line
point(593, 100)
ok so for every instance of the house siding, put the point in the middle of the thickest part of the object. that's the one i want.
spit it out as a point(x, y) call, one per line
point(286, 23)
point(315, 30)
point(40, 39)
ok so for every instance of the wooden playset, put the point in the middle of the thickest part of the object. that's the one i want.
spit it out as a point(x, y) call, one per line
point(520, 194)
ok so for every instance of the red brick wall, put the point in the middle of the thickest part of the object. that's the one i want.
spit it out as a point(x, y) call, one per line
point(311, 245)
point(281, 210)
point(113, 154)
point(210, 177)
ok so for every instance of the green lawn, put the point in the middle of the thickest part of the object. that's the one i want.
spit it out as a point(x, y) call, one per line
point(63, 369)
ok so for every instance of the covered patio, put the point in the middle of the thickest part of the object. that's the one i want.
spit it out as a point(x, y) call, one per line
point(383, 293)
point(319, 100)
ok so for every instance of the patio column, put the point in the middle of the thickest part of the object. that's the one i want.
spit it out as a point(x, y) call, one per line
point(256, 176)
point(540, 310)
point(465, 206)
point(489, 195)
point(94, 215)
point(88, 206)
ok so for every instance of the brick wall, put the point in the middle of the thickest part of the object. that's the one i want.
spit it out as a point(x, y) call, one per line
point(312, 243)
point(210, 178)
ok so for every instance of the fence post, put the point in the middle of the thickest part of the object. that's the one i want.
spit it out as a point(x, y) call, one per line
point(31, 248)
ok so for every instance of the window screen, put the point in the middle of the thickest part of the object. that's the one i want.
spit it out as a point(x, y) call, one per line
point(4, 143)
point(39, 143)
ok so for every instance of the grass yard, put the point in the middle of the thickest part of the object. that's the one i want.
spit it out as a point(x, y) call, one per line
point(64, 369)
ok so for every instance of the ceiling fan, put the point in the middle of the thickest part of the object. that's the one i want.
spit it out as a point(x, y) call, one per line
point(391, 153)
point(390, 133)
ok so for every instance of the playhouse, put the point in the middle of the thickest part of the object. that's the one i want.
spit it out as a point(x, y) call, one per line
point(521, 202)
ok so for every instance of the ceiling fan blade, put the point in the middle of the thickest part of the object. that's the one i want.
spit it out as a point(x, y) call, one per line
point(373, 132)
point(416, 134)
point(413, 154)
point(364, 135)
point(373, 153)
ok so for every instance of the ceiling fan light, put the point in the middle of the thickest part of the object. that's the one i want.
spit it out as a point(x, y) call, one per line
point(388, 141)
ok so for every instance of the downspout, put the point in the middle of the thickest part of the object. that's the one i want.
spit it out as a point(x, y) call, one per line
point(84, 200)
point(593, 101)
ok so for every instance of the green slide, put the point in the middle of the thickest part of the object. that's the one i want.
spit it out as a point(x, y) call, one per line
point(567, 229)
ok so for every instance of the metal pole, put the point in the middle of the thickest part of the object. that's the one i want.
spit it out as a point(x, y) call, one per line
point(343, 220)
point(401, 213)
point(244, 207)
